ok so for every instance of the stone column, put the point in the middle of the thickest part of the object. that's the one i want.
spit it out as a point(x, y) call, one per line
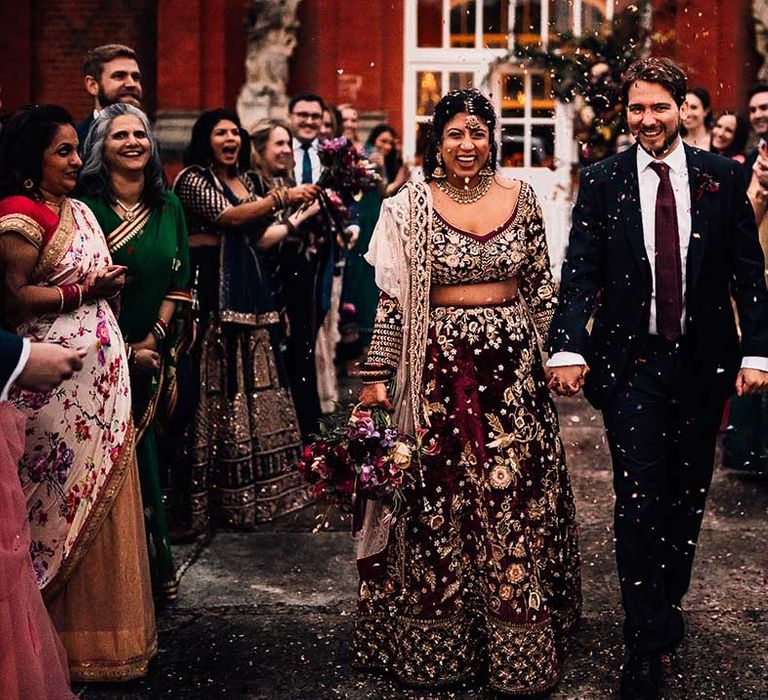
point(760, 15)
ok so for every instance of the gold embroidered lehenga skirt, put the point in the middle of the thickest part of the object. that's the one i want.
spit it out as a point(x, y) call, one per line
point(482, 572)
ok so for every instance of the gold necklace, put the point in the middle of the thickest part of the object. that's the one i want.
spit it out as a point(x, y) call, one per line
point(468, 195)
point(129, 213)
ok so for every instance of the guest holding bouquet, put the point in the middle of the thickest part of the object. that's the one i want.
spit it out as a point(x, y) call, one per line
point(122, 183)
point(78, 469)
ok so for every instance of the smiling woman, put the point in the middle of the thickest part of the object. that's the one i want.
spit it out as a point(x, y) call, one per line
point(89, 552)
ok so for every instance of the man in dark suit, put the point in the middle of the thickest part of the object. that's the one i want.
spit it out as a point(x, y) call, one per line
point(757, 100)
point(662, 235)
point(34, 366)
point(111, 73)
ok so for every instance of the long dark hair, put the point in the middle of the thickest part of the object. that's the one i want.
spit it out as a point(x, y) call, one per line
point(740, 136)
point(455, 102)
point(199, 151)
point(706, 103)
point(23, 141)
point(95, 181)
point(393, 160)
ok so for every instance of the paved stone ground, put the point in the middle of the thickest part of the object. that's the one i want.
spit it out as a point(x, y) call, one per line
point(267, 614)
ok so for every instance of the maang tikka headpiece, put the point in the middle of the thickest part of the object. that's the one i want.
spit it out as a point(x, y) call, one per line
point(471, 122)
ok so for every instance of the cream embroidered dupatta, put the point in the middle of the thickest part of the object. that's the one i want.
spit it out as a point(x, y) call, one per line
point(400, 251)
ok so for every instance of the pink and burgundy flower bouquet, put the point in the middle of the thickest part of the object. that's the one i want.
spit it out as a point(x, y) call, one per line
point(362, 458)
point(345, 169)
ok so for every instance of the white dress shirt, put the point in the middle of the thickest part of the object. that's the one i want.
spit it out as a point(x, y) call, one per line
point(648, 181)
point(298, 160)
point(20, 365)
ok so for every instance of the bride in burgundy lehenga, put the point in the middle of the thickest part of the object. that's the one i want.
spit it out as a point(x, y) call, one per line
point(481, 575)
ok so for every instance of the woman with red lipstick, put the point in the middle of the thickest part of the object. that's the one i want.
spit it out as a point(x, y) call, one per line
point(480, 576)
point(245, 434)
point(78, 471)
point(122, 183)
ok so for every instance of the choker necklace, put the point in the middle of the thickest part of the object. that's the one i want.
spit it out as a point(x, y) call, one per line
point(468, 194)
point(129, 213)
point(53, 205)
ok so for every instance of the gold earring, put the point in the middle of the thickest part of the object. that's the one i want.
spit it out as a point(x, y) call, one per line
point(438, 173)
point(486, 171)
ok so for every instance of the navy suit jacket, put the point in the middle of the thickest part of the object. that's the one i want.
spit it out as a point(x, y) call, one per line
point(607, 275)
point(11, 346)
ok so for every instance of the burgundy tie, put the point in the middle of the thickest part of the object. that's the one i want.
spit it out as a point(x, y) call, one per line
point(669, 276)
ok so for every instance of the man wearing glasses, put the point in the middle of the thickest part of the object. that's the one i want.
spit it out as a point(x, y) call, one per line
point(306, 115)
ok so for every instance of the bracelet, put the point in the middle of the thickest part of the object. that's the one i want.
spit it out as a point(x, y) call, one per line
point(72, 296)
point(160, 330)
point(129, 354)
point(61, 298)
point(114, 296)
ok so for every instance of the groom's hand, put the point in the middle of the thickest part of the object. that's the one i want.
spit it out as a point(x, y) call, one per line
point(566, 380)
point(751, 381)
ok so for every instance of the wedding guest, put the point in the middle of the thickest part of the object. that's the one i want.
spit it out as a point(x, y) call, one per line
point(729, 136)
point(33, 663)
point(331, 127)
point(78, 470)
point(112, 75)
point(350, 121)
point(122, 183)
point(481, 574)
point(245, 432)
point(360, 288)
point(308, 263)
point(697, 118)
point(646, 326)
point(757, 97)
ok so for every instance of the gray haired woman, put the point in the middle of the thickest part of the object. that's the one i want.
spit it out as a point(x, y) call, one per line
point(143, 222)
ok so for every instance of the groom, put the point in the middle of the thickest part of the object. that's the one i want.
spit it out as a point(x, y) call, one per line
point(662, 236)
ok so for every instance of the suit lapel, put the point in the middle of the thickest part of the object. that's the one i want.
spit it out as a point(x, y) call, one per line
point(629, 204)
point(698, 220)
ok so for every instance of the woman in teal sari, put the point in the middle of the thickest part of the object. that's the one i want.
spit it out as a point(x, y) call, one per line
point(144, 225)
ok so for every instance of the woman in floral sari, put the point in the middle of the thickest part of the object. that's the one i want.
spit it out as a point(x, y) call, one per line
point(78, 472)
point(122, 183)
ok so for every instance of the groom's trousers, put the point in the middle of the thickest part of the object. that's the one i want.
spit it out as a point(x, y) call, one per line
point(662, 431)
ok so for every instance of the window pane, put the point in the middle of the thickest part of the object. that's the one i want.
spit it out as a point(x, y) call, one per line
point(429, 14)
point(463, 20)
point(495, 23)
point(460, 81)
point(512, 142)
point(428, 91)
point(542, 104)
point(512, 96)
point(528, 22)
point(560, 19)
point(592, 16)
point(543, 146)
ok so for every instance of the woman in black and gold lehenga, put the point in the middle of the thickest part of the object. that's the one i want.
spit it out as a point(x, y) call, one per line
point(482, 573)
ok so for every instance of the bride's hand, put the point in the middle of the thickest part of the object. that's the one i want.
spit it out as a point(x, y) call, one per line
point(375, 395)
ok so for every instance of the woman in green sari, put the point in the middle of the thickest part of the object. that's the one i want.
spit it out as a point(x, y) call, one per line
point(144, 225)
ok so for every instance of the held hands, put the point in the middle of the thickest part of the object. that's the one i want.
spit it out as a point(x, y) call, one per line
point(145, 361)
point(751, 381)
point(49, 365)
point(104, 283)
point(566, 380)
point(375, 395)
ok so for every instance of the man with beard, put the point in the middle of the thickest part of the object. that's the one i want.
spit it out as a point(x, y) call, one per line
point(111, 75)
point(662, 235)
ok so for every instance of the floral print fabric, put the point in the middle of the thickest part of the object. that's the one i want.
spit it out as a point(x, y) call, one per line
point(75, 433)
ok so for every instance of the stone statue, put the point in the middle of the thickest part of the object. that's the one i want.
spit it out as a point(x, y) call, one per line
point(271, 29)
point(760, 17)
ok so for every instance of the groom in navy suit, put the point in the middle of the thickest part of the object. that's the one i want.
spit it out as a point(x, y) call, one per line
point(662, 236)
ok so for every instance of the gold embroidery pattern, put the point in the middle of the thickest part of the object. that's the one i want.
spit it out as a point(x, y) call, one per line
point(24, 225)
point(387, 338)
point(128, 229)
point(60, 242)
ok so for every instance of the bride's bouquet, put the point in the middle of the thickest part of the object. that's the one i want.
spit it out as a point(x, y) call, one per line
point(361, 458)
point(345, 169)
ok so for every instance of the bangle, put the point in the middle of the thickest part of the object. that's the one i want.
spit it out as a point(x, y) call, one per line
point(129, 354)
point(61, 298)
point(114, 296)
point(72, 295)
point(160, 330)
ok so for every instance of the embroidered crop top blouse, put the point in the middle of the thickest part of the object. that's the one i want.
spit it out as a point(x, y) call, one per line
point(515, 249)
